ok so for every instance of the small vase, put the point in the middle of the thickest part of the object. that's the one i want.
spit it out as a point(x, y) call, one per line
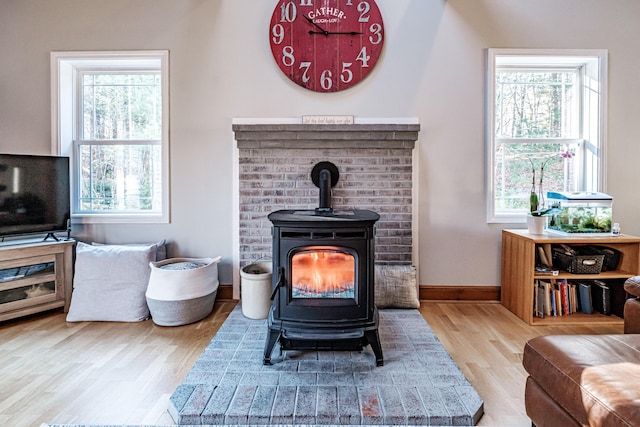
point(536, 224)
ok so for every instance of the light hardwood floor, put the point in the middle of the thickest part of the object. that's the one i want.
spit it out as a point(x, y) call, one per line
point(124, 373)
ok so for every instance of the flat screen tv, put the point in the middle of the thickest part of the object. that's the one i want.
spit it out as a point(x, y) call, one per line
point(34, 194)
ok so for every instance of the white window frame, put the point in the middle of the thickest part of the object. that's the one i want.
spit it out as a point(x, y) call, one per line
point(592, 136)
point(65, 69)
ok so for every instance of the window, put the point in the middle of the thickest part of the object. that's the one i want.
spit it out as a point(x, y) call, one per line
point(111, 119)
point(546, 120)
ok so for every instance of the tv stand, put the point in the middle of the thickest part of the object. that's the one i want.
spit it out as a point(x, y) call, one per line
point(52, 235)
point(35, 276)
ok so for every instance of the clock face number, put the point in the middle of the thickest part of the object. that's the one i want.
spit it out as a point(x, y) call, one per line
point(326, 45)
point(363, 8)
point(289, 12)
point(376, 33)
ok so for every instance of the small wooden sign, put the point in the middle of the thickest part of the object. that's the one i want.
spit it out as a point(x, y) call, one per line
point(327, 120)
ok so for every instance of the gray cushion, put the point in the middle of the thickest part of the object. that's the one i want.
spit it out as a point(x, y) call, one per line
point(110, 282)
point(396, 286)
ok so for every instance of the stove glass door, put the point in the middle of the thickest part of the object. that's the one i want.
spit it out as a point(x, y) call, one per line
point(323, 272)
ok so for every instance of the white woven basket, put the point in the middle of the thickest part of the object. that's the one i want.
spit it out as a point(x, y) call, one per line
point(178, 297)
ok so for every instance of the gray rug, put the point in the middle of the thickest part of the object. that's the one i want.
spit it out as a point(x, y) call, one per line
point(419, 383)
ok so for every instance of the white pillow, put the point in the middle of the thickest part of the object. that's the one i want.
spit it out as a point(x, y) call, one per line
point(161, 248)
point(110, 282)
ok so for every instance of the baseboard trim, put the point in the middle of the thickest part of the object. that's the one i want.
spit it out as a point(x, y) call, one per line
point(427, 293)
point(225, 293)
point(459, 293)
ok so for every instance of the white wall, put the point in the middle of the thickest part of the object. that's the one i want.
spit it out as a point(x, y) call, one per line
point(432, 67)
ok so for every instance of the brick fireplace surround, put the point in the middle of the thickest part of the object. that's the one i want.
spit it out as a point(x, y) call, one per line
point(375, 162)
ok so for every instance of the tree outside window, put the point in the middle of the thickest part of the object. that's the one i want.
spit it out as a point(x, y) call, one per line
point(120, 148)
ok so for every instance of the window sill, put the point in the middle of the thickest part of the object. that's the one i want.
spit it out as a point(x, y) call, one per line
point(119, 218)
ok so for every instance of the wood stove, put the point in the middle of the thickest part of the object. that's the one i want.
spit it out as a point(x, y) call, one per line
point(323, 276)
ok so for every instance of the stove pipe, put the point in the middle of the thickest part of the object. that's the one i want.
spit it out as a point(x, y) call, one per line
point(325, 192)
point(325, 176)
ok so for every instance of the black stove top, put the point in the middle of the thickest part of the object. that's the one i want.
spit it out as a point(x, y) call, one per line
point(308, 218)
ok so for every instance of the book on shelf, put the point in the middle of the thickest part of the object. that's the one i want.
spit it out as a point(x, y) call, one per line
point(601, 297)
point(568, 297)
point(548, 253)
point(545, 271)
point(538, 300)
point(542, 302)
point(558, 297)
point(584, 292)
point(555, 299)
point(564, 294)
point(544, 256)
point(547, 297)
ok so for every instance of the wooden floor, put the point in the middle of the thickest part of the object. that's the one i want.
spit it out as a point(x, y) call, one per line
point(124, 373)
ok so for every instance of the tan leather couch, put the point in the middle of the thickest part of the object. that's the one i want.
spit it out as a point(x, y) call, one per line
point(586, 380)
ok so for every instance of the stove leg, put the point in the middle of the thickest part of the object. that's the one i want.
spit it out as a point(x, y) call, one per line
point(272, 339)
point(374, 340)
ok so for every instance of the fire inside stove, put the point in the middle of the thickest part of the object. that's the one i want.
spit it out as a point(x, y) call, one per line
point(323, 273)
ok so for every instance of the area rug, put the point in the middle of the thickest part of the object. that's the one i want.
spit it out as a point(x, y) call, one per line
point(419, 383)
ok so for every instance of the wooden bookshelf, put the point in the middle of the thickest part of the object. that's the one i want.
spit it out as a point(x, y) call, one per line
point(518, 275)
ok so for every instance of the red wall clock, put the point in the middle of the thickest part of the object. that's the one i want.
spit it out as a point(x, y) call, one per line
point(326, 45)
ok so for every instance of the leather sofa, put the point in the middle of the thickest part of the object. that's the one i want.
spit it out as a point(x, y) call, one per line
point(586, 380)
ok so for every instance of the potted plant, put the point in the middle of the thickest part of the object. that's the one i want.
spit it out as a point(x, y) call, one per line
point(536, 218)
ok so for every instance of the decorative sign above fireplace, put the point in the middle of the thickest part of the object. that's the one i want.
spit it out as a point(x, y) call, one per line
point(327, 120)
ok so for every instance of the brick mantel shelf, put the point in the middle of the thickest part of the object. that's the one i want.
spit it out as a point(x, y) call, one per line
point(359, 136)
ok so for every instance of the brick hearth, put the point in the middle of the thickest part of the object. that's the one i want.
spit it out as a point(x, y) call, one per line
point(419, 383)
point(376, 168)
